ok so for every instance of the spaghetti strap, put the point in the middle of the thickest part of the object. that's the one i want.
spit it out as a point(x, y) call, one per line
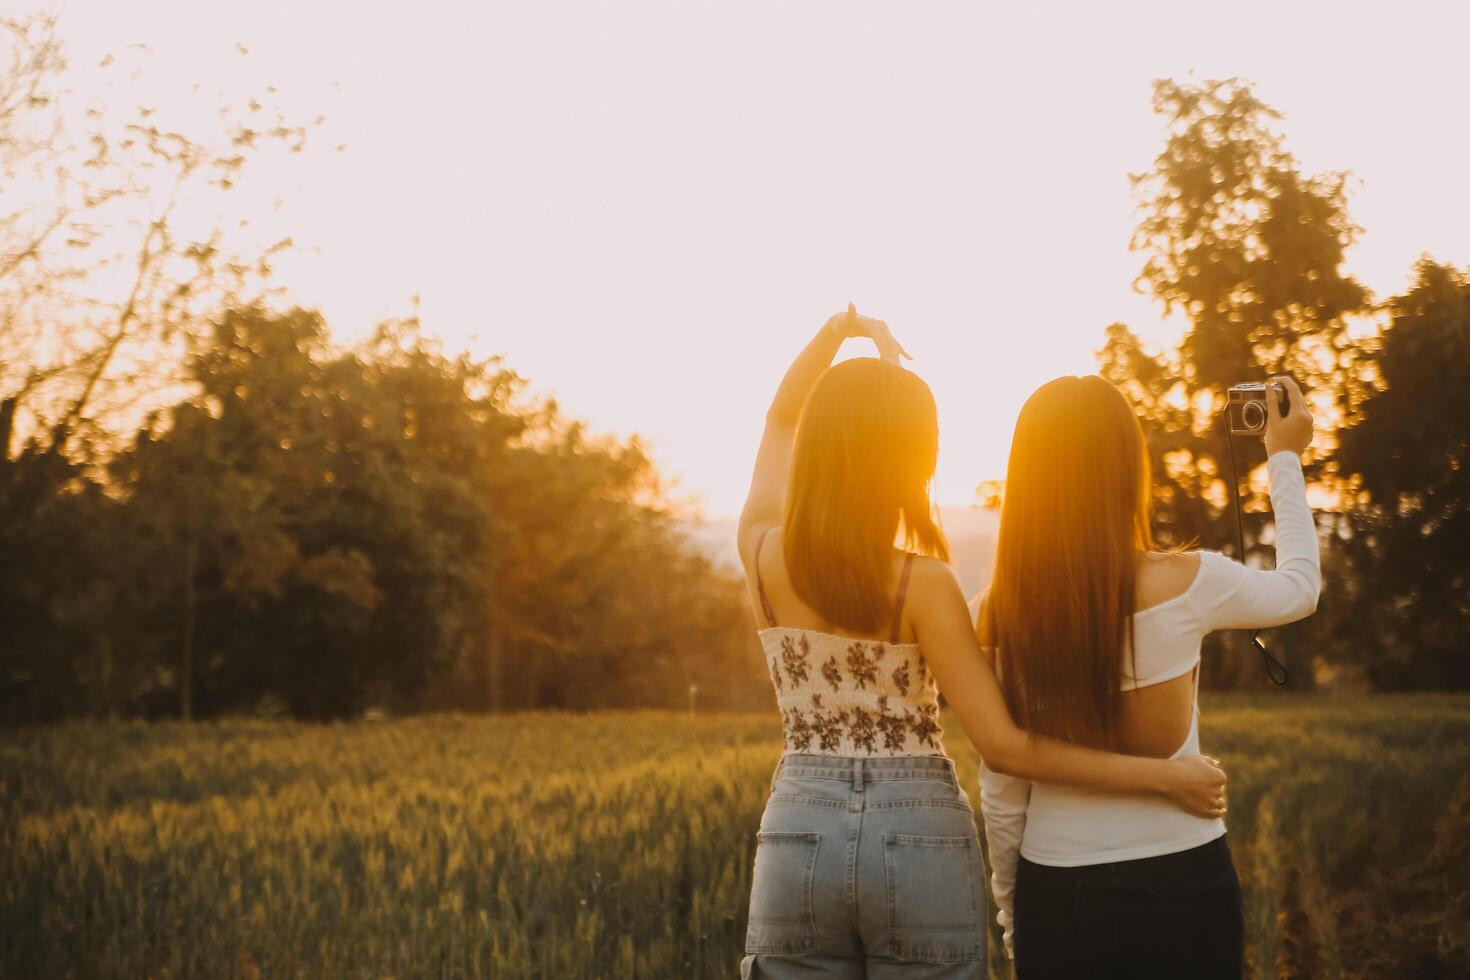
point(903, 589)
point(760, 586)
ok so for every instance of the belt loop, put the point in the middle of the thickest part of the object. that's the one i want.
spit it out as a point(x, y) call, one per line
point(857, 775)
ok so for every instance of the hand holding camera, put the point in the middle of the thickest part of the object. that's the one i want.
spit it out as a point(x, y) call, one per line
point(1274, 410)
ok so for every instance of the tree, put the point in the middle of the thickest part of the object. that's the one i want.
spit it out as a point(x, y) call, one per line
point(597, 600)
point(101, 284)
point(318, 514)
point(292, 525)
point(1407, 466)
point(320, 531)
point(214, 490)
point(64, 579)
point(1251, 250)
point(100, 275)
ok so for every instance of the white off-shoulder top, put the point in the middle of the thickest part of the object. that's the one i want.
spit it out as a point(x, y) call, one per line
point(1062, 826)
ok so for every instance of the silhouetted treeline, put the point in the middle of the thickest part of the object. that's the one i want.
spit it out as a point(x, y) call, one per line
point(319, 533)
point(302, 529)
point(294, 528)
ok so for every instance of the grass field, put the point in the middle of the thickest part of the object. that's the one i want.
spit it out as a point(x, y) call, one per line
point(620, 844)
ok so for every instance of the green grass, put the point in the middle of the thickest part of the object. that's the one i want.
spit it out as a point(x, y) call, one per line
point(620, 844)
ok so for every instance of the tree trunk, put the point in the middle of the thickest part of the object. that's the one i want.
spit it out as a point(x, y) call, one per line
point(494, 669)
point(532, 685)
point(186, 648)
point(494, 647)
point(102, 649)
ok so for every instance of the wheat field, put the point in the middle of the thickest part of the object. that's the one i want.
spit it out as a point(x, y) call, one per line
point(620, 844)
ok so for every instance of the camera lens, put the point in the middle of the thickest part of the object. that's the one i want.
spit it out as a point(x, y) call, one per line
point(1253, 414)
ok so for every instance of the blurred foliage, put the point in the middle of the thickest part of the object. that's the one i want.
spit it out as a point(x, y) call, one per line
point(1250, 250)
point(1406, 466)
point(320, 533)
point(206, 507)
point(621, 843)
point(119, 229)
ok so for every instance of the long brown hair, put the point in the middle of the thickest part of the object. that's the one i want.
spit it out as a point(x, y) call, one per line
point(1074, 517)
point(866, 446)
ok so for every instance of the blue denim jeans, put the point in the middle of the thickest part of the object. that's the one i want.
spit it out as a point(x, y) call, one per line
point(866, 867)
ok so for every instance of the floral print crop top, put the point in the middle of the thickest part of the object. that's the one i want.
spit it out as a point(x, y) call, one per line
point(844, 696)
point(840, 696)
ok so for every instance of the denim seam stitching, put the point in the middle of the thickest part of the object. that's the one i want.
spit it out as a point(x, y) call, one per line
point(813, 800)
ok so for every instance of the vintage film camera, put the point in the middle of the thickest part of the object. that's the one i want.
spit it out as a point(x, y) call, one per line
point(1246, 406)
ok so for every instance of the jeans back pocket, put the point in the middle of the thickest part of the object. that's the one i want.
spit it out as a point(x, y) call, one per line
point(934, 898)
point(782, 919)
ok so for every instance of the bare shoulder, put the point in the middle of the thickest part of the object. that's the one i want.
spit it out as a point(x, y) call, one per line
point(936, 611)
point(933, 585)
point(932, 575)
point(1165, 575)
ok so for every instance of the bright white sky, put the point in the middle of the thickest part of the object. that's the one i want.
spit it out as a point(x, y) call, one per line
point(649, 205)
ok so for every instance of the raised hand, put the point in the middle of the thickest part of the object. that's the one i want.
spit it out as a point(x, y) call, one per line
point(851, 323)
point(1293, 431)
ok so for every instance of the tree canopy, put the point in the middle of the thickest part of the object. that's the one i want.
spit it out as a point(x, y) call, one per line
point(320, 532)
point(206, 506)
point(1406, 469)
point(1252, 252)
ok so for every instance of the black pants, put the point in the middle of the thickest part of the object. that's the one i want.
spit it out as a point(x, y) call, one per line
point(1175, 915)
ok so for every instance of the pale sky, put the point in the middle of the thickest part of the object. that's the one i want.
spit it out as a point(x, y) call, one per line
point(649, 205)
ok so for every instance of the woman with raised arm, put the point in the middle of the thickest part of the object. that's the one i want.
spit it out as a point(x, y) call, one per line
point(867, 862)
point(1096, 640)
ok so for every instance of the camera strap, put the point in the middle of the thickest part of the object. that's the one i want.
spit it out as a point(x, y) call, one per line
point(1275, 669)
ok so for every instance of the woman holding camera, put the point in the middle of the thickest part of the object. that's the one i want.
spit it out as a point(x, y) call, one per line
point(867, 862)
point(1095, 637)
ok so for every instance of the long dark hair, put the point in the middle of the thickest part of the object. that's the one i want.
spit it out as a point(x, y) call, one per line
point(1074, 517)
point(862, 464)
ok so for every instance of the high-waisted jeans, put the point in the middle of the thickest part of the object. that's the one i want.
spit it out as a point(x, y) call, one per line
point(866, 867)
point(1176, 916)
